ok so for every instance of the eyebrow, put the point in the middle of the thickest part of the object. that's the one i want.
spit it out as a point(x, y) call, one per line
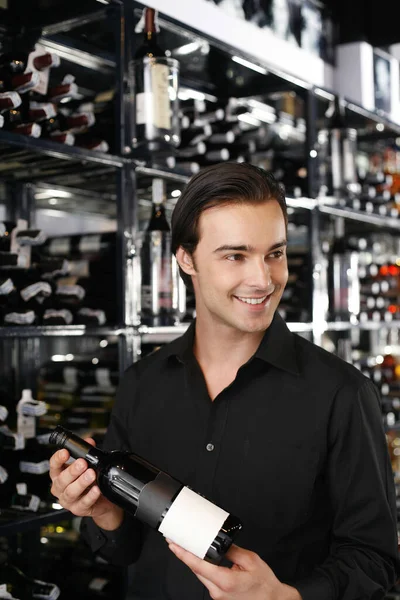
point(247, 247)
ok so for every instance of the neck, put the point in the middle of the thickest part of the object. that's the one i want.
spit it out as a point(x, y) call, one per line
point(220, 346)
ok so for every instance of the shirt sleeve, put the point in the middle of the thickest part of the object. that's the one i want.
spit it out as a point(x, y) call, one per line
point(123, 545)
point(363, 561)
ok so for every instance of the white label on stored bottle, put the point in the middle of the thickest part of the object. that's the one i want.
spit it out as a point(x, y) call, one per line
point(52, 591)
point(79, 268)
point(22, 489)
point(3, 587)
point(90, 244)
point(34, 503)
point(19, 441)
point(64, 314)
point(6, 287)
point(3, 475)
point(43, 80)
point(3, 413)
point(30, 291)
point(26, 426)
point(193, 522)
point(97, 584)
point(60, 245)
point(102, 377)
point(35, 468)
point(161, 104)
point(70, 376)
point(26, 318)
point(71, 290)
point(100, 315)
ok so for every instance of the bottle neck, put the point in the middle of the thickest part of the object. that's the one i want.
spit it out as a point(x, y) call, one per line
point(158, 220)
point(77, 447)
point(150, 32)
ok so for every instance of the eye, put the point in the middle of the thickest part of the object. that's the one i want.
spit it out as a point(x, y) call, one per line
point(235, 257)
point(277, 254)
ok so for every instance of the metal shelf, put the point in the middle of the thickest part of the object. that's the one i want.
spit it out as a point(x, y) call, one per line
point(57, 150)
point(347, 213)
point(59, 330)
point(365, 326)
point(32, 521)
point(163, 173)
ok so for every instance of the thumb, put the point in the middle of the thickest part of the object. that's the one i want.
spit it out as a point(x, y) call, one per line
point(241, 557)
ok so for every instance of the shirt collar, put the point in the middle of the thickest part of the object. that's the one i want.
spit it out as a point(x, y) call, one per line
point(278, 346)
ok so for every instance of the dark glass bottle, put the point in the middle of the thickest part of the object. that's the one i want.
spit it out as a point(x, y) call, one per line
point(156, 264)
point(344, 283)
point(20, 586)
point(338, 150)
point(156, 498)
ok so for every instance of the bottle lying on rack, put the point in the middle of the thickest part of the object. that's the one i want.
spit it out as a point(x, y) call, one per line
point(17, 585)
point(157, 499)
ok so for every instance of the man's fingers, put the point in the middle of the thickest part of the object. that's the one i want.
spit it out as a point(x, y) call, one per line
point(215, 574)
point(57, 462)
point(90, 441)
point(212, 588)
point(76, 488)
point(83, 505)
point(68, 476)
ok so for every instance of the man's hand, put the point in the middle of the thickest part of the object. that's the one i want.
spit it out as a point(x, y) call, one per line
point(74, 487)
point(250, 578)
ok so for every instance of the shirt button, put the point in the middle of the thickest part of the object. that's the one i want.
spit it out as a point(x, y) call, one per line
point(210, 447)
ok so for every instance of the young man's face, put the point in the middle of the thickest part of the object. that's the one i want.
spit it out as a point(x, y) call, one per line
point(240, 265)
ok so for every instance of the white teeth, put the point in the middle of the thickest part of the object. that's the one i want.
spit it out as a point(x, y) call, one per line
point(252, 300)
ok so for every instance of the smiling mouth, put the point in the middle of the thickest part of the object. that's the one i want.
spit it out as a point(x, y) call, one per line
point(253, 301)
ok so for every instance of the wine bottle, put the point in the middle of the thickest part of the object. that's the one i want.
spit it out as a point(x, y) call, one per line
point(156, 263)
point(20, 586)
point(65, 90)
point(156, 123)
point(9, 101)
point(156, 498)
point(3, 413)
point(338, 150)
point(41, 111)
point(10, 440)
point(88, 246)
point(343, 274)
point(72, 124)
point(46, 61)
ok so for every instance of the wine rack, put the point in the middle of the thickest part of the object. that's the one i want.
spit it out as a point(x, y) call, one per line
point(94, 44)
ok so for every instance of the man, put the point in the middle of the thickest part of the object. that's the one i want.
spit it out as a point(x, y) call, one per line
point(265, 424)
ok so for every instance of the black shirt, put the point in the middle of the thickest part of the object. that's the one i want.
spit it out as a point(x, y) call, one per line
point(294, 447)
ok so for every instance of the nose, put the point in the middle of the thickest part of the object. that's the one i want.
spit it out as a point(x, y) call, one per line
point(259, 275)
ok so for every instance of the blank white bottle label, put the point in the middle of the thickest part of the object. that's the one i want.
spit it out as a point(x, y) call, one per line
point(193, 522)
point(60, 245)
point(90, 244)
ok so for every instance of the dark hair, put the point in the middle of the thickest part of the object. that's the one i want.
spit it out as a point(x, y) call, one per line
point(218, 185)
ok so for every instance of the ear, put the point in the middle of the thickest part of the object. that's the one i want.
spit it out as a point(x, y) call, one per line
point(185, 261)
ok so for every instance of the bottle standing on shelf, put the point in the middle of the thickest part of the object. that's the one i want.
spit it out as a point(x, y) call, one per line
point(156, 264)
point(337, 152)
point(155, 80)
point(157, 499)
point(344, 282)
